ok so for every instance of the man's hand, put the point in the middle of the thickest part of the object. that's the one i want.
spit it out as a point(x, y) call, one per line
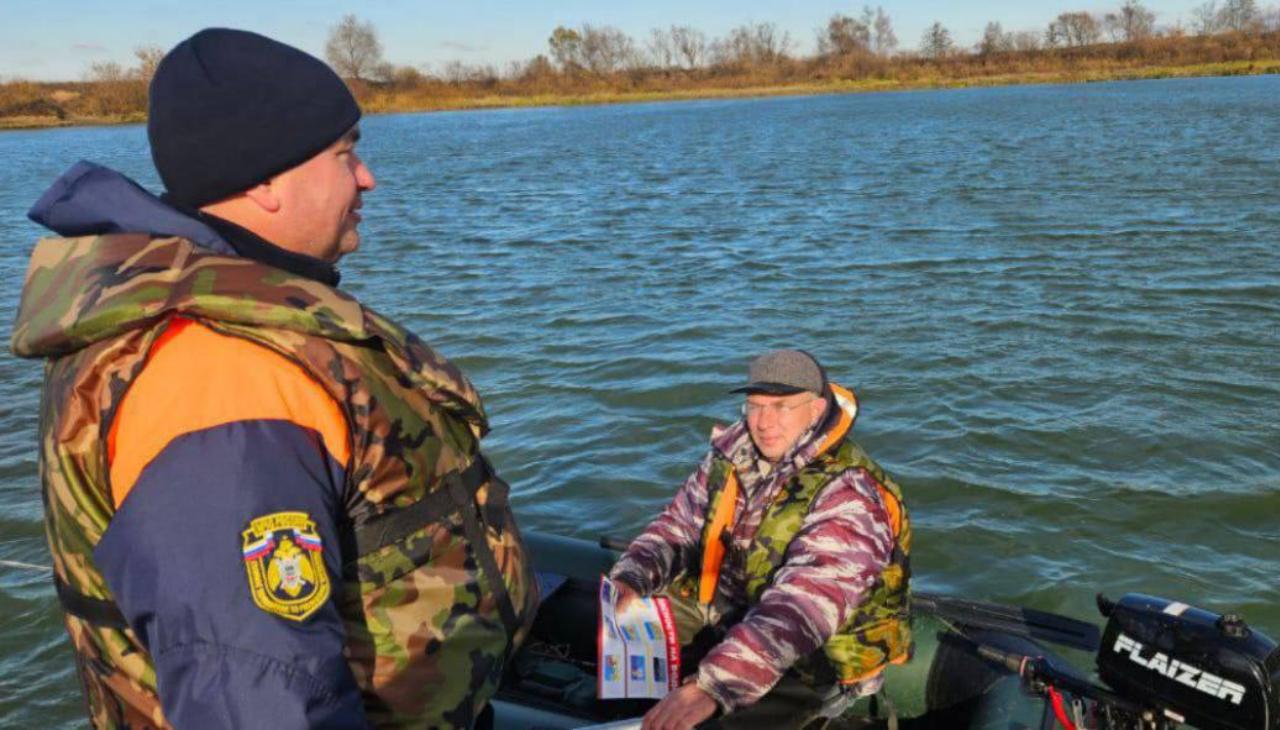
point(681, 710)
point(624, 595)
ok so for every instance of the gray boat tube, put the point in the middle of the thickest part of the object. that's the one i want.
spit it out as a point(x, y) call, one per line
point(551, 680)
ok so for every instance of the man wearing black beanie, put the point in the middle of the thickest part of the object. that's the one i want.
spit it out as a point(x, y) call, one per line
point(235, 120)
point(266, 502)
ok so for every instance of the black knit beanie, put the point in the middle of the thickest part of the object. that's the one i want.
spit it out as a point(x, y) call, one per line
point(230, 108)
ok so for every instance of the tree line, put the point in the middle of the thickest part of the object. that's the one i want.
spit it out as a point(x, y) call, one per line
point(596, 61)
point(356, 53)
point(863, 48)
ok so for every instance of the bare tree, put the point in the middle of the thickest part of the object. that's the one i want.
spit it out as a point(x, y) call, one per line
point(994, 40)
point(606, 49)
point(1241, 16)
point(768, 46)
point(457, 72)
point(486, 74)
point(1026, 40)
point(1271, 20)
point(149, 58)
point(1139, 22)
point(566, 47)
point(116, 90)
point(454, 72)
point(1132, 23)
point(662, 48)
point(1053, 35)
point(1113, 26)
point(753, 44)
point(107, 72)
point(353, 49)
point(1204, 18)
point(538, 68)
point(1082, 29)
point(844, 36)
point(883, 38)
point(1072, 30)
point(936, 42)
point(690, 44)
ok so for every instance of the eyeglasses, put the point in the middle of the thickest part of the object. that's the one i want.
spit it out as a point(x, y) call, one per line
point(755, 410)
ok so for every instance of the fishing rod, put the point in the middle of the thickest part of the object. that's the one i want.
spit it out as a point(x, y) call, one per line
point(1063, 689)
point(19, 565)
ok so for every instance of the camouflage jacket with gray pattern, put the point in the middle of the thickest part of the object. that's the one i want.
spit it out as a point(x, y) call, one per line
point(815, 558)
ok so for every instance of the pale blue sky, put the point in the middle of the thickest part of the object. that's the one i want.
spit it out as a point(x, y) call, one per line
point(59, 39)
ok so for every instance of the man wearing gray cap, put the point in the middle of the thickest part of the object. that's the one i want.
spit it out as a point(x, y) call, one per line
point(786, 554)
point(266, 502)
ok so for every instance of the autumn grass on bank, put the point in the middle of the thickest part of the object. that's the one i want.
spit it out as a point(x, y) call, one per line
point(46, 122)
point(397, 103)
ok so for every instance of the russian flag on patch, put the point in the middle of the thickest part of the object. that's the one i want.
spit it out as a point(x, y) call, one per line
point(308, 542)
point(258, 549)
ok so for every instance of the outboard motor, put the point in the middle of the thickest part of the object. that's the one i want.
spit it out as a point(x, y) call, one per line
point(1197, 667)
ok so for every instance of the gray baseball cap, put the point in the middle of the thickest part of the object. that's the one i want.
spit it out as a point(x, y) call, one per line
point(785, 372)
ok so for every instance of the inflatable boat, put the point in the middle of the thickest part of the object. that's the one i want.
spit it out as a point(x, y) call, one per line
point(1154, 664)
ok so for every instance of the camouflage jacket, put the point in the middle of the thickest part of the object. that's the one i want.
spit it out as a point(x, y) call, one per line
point(817, 559)
point(433, 586)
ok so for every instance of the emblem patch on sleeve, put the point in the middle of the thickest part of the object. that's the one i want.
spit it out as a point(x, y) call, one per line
point(284, 560)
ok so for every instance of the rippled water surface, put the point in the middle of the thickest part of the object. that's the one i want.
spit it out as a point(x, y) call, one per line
point(1060, 306)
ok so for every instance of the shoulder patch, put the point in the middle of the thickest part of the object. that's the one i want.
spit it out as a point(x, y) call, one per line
point(284, 561)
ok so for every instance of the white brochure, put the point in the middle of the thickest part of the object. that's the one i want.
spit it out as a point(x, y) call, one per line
point(639, 653)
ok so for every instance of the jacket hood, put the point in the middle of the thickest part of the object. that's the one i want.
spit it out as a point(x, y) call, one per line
point(90, 199)
point(128, 262)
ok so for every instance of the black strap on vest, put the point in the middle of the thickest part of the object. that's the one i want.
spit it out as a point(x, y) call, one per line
point(94, 610)
point(397, 523)
point(484, 554)
point(457, 494)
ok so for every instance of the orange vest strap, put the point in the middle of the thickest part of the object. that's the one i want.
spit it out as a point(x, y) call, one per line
point(893, 507)
point(845, 422)
point(195, 379)
point(901, 659)
point(713, 549)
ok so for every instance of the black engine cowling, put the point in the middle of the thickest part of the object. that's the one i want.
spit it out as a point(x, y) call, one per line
point(1205, 669)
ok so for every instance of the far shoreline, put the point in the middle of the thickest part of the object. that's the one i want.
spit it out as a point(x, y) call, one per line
point(378, 106)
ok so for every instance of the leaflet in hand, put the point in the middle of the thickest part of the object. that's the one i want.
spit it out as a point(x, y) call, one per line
point(639, 650)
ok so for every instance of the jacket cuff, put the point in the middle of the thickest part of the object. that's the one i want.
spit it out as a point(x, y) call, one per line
point(627, 571)
point(717, 691)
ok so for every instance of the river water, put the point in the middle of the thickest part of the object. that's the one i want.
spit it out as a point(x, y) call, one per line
point(1060, 306)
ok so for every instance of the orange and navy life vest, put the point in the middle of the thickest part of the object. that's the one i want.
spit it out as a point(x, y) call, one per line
point(435, 558)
